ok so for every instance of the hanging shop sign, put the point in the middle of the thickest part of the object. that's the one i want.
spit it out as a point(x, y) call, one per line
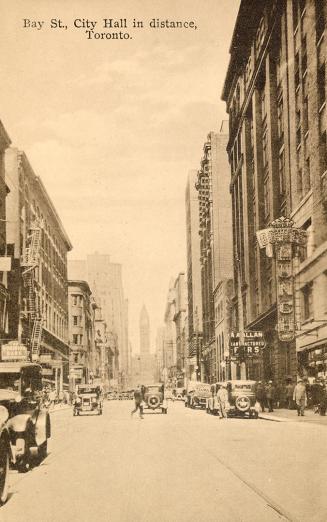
point(14, 351)
point(284, 240)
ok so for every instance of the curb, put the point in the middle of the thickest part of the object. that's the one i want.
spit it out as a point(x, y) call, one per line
point(275, 419)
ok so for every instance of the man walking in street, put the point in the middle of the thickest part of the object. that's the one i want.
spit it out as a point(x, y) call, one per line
point(138, 398)
point(300, 397)
point(222, 396)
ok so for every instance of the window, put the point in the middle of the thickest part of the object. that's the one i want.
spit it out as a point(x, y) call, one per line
point(305, 115)
point(307, 308)
point(297, 70)
point(266, 197)
point(323, 153)
point(75, 339)
point(81, 339)
point(75, 319)
point(321, 86)
point(74, 300)
point(280, 119)
point(265, 149)
point(281, 171)
point(320, 18)
point(304, 55)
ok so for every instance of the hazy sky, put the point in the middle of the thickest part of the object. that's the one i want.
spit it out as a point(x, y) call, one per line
point(114, 126)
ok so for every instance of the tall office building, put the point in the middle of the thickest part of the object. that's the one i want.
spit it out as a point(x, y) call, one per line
point(147, 359)
point(105, 280)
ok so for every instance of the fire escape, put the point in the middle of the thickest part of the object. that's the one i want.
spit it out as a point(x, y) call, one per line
point(29, 262)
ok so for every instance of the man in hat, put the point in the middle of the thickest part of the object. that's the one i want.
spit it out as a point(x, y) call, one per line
point(222, 396)
point(300, 397)
point(270, 395)
point(261, 395)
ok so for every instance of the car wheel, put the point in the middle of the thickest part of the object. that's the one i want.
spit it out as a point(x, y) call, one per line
point(4, 472)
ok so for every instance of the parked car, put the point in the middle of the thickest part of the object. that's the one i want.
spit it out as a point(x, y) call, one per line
point(197, 394)
point(28, 421)
point(180, 394)
point(88, 398)
point(154, 398)
point(5, 455)
point(242, 399)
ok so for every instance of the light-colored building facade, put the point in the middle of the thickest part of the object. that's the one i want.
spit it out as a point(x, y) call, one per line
point(81, 323)
point(38, 245)
point(179, 320)
point(147, 359)
point(194, 292)
point(216, 247)
point(105, 280)
point(278, 156)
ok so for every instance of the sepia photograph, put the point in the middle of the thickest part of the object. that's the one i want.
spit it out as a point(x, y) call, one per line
point(163, 261)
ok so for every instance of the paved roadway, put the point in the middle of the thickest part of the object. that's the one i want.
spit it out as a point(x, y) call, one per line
point(184, 466)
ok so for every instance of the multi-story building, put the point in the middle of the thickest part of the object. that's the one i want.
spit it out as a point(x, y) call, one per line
point(170, 355)
point(215, 246)
point(38, 245)
point(81, 322)
point(275, 90)
point(5, 261)
point(194, 293)
point(147, 359)
point(105, 280)
point(179, 320)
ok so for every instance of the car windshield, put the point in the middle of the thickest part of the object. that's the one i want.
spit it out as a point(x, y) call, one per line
point(152, 389)
point(242, 386)
point(9, 381)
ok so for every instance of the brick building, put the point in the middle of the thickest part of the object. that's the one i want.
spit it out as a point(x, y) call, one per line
point(275, 91)
point(38, 245)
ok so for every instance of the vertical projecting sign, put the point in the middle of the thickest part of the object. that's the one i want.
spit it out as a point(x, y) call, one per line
point(281, 241)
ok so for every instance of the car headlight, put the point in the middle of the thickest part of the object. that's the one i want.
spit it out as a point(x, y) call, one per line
point(4, 414)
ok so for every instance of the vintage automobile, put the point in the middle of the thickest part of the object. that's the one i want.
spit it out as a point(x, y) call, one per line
point(88, 398)
point(242, 399)
point(154, 398)
point(5, 455)
point(28, 421)
point(197, 394)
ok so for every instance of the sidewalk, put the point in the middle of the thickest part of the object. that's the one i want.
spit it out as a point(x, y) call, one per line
point(59, 407)
point(284, 415)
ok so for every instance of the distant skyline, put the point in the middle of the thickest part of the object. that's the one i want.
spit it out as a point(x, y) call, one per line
point(113, 127)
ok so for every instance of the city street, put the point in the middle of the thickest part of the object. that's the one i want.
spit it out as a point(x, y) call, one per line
point(184, 466)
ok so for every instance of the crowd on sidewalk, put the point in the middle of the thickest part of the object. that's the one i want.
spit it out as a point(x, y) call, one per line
point(293, 396)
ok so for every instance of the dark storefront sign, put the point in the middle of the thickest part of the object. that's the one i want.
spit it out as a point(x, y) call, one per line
point(251, 346)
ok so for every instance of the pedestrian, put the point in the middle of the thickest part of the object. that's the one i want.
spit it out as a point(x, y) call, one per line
point(300, 397)
point(222, 397)
point(138, 398)
point(270, 395)
point(261, 395)
point(52, 397)
point(289, 395)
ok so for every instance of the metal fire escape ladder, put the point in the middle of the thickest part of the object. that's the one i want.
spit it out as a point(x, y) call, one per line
point(29, 262)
